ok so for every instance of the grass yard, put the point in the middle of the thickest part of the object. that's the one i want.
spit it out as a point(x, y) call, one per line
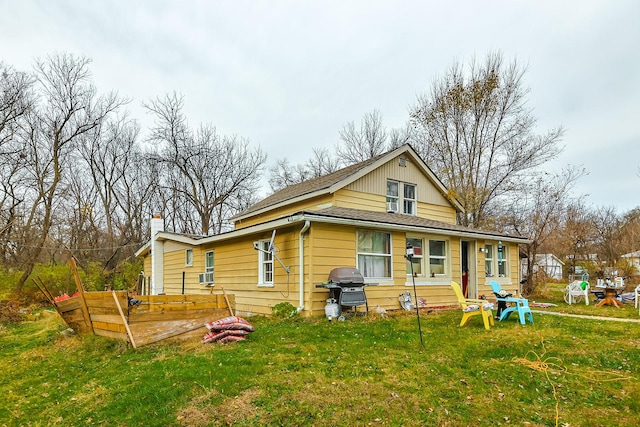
point(366, 371)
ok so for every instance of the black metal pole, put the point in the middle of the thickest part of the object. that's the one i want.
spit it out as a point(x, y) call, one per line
point(409, 258)
point(183, 283)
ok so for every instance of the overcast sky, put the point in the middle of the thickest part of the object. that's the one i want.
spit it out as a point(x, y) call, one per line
point(288, 75)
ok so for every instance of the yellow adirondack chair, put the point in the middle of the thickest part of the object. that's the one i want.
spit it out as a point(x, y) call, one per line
point(473, 307)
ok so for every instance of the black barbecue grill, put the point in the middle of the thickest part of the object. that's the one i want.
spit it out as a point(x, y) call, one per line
point(346, 286)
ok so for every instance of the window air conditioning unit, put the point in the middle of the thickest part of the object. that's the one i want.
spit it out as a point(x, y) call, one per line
point(392, 207)
point(205, 278)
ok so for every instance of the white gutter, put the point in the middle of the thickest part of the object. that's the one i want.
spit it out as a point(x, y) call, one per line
point(301, 263)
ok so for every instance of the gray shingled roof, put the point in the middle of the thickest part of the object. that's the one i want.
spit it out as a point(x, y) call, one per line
point(310, 186)
point(401, 219)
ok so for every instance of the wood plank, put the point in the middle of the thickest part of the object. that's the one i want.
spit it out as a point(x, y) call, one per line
point(159, 331)
point(83, 302)
point(106, 318)
point(111, 334)
point(102, 310)
point(124, 320)
point(172, 315)
point(68, 304)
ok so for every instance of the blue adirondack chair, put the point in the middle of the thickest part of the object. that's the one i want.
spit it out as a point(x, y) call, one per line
point(521, 305)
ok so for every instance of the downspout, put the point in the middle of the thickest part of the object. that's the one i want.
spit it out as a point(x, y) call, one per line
point(301, 263)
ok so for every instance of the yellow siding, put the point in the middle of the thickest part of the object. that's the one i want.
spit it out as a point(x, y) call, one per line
point(146, 265)
point(375, 182)
point(326, 246)
point(346, 198)
point(510, 283)
point(446, 214)
point(312, 204)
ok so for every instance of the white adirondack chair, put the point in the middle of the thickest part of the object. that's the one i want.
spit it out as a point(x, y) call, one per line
point(574, 292)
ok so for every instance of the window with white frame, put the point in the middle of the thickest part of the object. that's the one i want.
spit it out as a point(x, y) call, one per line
point(438, 258)
point(401, 194)
point(265, 263)
point(209, 262)
point(417, 265)
point(488, 260)
point(188, 257)
point(409, 201)
point(393, 195)
point(502, 260)
point(374, 254)
point(496, 259)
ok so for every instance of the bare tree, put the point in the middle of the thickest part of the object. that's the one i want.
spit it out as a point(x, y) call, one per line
point(322, 163)
point(206, 170)
point(284, 174)
point(67, 108)
point(358, 145)
point(538, 213)
point(576, 236)
point(16, 98)
point(474, 129)
point(608, 225)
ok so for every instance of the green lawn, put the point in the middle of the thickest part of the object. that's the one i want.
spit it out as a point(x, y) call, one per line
point(361, 372)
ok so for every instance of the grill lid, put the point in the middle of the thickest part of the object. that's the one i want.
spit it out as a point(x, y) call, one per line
point(346, 276)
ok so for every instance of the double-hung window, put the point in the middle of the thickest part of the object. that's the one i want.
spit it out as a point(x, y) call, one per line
point(496, 259)
point(438, 258)
point(265, 263)
point(393, 195)
point(374, 254)
point(409, 202)
point(430, 257)
point(502, 261)
point(209, 266)
point(401, 195)
point(188, 257)
point(488, 260)
point(416, 265)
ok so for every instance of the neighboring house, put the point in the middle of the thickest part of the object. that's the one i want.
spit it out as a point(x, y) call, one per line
point(361, 216)
point(550, 264)
point(634, 259)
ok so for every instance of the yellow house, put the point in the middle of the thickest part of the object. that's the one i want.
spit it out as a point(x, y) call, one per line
point(362, 216)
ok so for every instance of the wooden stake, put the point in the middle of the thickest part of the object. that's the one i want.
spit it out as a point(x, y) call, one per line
point(85, 309)
point(50, 298)
point(124, 319)
point(227, 300)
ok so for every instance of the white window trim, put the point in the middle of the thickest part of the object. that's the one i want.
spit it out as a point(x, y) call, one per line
point(261, 265)
point(505, 260)
point(212, 268)
point(426, 279)
point(495, 263)
point(420, 257)
point(446, 258)
point(392, 199)
point(187, 262)
point(400, 199)
point(490, 260)
point(389, 280)
point(414, 201)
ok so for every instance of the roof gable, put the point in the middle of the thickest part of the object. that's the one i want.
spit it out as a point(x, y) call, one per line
point(333, 182)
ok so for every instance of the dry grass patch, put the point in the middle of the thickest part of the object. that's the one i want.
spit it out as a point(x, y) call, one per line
point(231, 411)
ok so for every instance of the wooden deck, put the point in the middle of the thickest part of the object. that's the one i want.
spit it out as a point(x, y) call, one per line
point(156, 318)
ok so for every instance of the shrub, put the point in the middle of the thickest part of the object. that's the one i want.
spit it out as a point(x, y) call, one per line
point(283, 310)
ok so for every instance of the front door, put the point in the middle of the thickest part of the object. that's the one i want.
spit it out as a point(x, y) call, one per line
point(468, 266)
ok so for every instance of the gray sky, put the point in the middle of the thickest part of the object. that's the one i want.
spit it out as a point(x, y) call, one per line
point(288, 75)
